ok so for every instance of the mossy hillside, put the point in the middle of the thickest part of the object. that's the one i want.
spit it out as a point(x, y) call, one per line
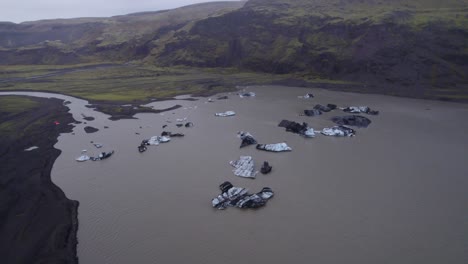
point(334, 27)
point(412, 47)
point(391, 43)
point(87, 40)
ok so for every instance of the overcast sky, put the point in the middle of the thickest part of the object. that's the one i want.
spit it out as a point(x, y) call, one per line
point(30, 10)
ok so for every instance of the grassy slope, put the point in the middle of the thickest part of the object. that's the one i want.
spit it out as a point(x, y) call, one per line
point(112, 87)
point(413, 49)
point(65, 41)
point(416, 49)
point(133, 83)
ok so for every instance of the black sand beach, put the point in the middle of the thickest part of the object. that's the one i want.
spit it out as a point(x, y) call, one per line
point(38, 223)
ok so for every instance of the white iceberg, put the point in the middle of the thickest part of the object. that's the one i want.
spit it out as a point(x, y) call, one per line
point(247, 94)
point(244, 167)
point(310, 133)
point(83, 157)
point(339, 131)
point(225, 114)
point(155, 140)
point(278, 147)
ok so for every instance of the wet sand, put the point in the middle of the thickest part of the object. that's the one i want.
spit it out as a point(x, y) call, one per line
point(394, 193)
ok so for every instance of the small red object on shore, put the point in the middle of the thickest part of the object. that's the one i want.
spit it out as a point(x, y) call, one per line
point(56, 123)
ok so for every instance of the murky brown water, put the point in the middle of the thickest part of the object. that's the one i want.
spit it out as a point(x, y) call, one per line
point(395, 193)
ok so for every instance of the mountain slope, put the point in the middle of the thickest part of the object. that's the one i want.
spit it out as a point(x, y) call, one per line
point(118, 38)
point(420, 44)
point(417, 48)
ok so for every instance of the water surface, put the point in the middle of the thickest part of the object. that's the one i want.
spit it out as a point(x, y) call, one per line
point(395, 193)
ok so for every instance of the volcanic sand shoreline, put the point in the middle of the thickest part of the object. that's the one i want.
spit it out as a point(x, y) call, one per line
point(38, 223)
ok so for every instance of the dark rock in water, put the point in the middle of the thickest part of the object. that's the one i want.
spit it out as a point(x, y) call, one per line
point(90, 129)
point(66, 103)
point(327, 108)
point(352, 120)
point(189, 124)
point(164, 126)
point(170, 134)
point(266, 168)
point(106, 127)
point(142, 148)
point(285, 123)
point(322, 108)
point(179, 125)
point(247, 139)
point(225, 186)
point(313, 112)
point(223, 97)
point(77, 122)
point(88, 118)
point(332, 106)
point(294, 127)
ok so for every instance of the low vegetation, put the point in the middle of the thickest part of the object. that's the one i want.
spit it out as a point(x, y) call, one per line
point(127, 84)
point(112, 86)
point(12, 108)
point(395, 47)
